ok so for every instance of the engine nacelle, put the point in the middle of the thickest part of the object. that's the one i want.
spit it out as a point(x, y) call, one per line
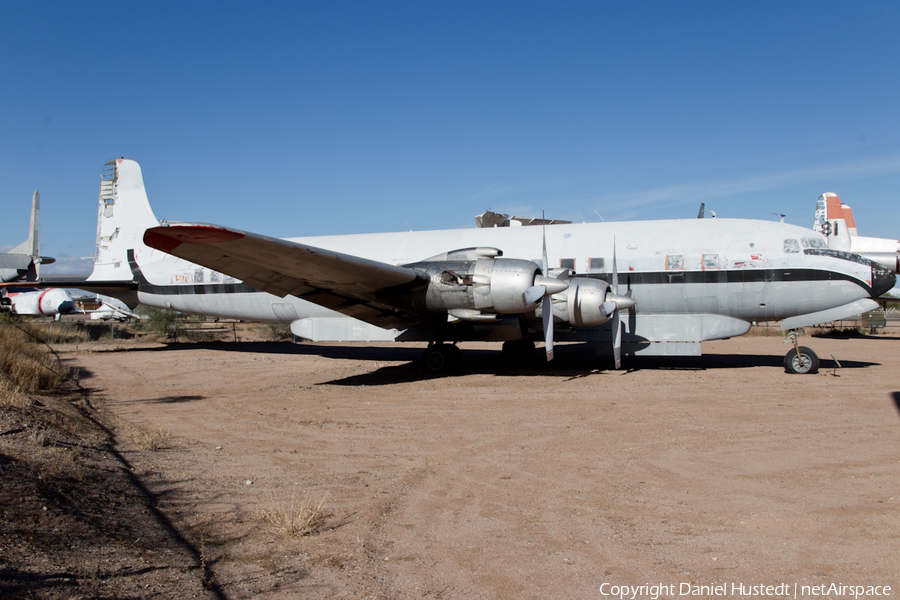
point(492, 285)
point(583, 302)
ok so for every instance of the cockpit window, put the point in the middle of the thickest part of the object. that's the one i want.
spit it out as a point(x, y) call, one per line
point(814, 243)
point(791, 246)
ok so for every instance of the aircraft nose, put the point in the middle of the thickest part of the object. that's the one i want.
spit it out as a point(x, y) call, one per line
point(883, 279)
point(66, 307)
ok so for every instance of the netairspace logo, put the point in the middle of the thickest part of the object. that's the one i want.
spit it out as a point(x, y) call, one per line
point(736, 590)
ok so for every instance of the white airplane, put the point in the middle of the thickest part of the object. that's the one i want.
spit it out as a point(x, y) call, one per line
point(39, 303)
point(111, 309)
point(835, 221)
point(638, 288)
point(25, 259)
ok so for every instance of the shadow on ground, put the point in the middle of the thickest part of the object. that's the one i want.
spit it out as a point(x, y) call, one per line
point(572, 361)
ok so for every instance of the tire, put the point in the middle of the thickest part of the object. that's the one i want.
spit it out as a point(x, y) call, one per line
point(807, 362)
point(441, 358)
point(435, 360)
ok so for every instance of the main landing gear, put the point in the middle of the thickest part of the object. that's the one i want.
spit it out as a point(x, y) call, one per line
point(440, 357)
point(800, 360)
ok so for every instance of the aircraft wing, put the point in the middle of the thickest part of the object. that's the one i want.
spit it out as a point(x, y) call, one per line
point(355, 286)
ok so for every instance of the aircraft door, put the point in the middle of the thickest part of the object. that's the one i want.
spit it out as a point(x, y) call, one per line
point(748, 271)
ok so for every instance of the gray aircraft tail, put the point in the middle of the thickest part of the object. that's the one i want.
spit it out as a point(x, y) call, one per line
point(26, 257)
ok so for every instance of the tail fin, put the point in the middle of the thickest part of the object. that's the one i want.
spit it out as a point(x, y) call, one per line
point(851, 222)
point(122, 216)
point(32, 246)
point(832, 221)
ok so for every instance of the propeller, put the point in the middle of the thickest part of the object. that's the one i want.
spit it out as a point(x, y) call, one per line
point(544, 287)
point(613, 304)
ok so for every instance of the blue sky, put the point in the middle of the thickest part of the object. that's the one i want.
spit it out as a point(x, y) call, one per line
point(309, 118)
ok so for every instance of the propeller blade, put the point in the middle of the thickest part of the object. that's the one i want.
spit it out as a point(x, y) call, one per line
point(609, 307)
point(617, 340)
point(618, 300)
point(545, 268)
point(547, 314)
point(615, 278)
point(546, 303)
point(533, 294)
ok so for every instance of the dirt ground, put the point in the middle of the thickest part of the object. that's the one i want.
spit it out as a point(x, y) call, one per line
point(539, 481)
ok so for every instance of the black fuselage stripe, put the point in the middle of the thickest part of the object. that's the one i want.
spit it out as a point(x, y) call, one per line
point(625, 279)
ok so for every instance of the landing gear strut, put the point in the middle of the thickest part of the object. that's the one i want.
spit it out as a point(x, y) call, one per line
point(800, 360)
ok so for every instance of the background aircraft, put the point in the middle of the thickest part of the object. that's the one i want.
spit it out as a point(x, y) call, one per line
point(835, 221)
point(646, 287)
point(47, 302)
point(24, 260)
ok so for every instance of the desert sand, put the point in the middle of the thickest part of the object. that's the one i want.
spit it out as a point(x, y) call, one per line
point(542, 481)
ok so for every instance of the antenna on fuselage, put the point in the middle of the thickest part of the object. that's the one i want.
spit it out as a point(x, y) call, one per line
point(703, 210)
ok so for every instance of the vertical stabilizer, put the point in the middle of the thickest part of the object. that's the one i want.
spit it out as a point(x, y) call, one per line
point(32, 246)
point(851, 222)
point(123, 214)
point(34, 238)
point(831, 221)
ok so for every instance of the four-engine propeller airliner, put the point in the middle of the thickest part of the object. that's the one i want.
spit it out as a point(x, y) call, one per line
point(644, 287)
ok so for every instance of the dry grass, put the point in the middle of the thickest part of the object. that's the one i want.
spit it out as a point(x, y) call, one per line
point(54, 332)
point(150, 439)
point(26, 366)
point(295, 518)
point(14, 397)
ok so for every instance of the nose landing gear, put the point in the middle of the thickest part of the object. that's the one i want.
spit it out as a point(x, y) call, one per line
point(800, 360)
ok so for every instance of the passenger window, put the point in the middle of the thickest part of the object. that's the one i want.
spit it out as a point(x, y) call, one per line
point(791, 246)
point(596, 265)
point(674, 262)
point(710, 261)
point(567, 263)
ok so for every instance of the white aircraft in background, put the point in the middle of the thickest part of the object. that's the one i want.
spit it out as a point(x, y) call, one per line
point(638, 288)
point(835, 221)
point(60, 301)
point(40, 303)
point(110, 309)
point(24, 260)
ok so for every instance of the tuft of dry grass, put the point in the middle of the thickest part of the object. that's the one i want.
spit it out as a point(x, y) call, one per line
point(25, 366)
point(150, 439)
point(295, 518)
point(14, 397)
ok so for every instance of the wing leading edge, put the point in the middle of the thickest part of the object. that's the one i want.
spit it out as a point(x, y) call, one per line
point(354, 286)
